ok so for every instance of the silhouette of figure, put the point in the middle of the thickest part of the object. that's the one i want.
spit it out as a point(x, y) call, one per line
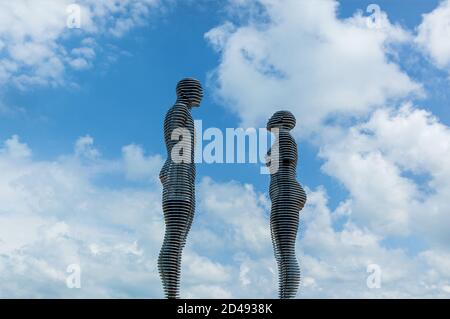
point(178, 179)
point(288, 198)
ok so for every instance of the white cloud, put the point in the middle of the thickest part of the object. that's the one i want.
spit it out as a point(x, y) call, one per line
point(79, 64)
point(239, 206)
point(333, 256)
point(334, 253)
point(201, 269)
point(34, 37)
point(207, 292)
point(298, 55)
point(393, 166)
point(138, 166)
point(434, 34)
point(84, 148)
point(54, 213)
point(16, 150)
point(334, 262)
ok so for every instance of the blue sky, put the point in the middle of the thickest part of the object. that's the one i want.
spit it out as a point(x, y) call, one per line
point(125, 102)
point(83, 144)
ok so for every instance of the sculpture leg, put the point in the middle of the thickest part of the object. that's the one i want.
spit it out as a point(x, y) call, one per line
point(176, 216)
point(190, 218)
point(276, 250)
point(289, 237)
point(284, 226)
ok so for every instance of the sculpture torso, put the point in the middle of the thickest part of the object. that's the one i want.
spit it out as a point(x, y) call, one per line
point(283, 183)
point(178, 179)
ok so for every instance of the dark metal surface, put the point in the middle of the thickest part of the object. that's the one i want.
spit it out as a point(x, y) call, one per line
point(288, 198)
point(178, 180)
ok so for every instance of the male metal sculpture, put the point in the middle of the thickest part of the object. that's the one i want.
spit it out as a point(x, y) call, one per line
point(288, 198)
point(178, 179)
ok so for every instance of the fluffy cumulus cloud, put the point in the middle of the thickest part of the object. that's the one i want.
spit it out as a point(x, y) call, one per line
point(55, 214)
point(335, 251)
point(298, 55)
point(59, 213)
point(337, 260)
point(38, 41)
point(393, 165)
point(434, 35)
point(137, 165)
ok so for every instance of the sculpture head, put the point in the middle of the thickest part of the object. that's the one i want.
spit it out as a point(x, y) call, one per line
point(190, 91)
point(281, 119)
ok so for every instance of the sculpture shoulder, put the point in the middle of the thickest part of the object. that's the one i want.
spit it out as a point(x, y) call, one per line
point(177, 115)
point(180, 109)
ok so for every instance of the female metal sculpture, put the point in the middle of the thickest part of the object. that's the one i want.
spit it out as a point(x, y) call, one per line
point(178, 179)
point(288, 198)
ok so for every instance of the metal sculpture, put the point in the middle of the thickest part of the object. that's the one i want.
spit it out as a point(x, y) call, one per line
point(288, 198)
point(178, 179)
